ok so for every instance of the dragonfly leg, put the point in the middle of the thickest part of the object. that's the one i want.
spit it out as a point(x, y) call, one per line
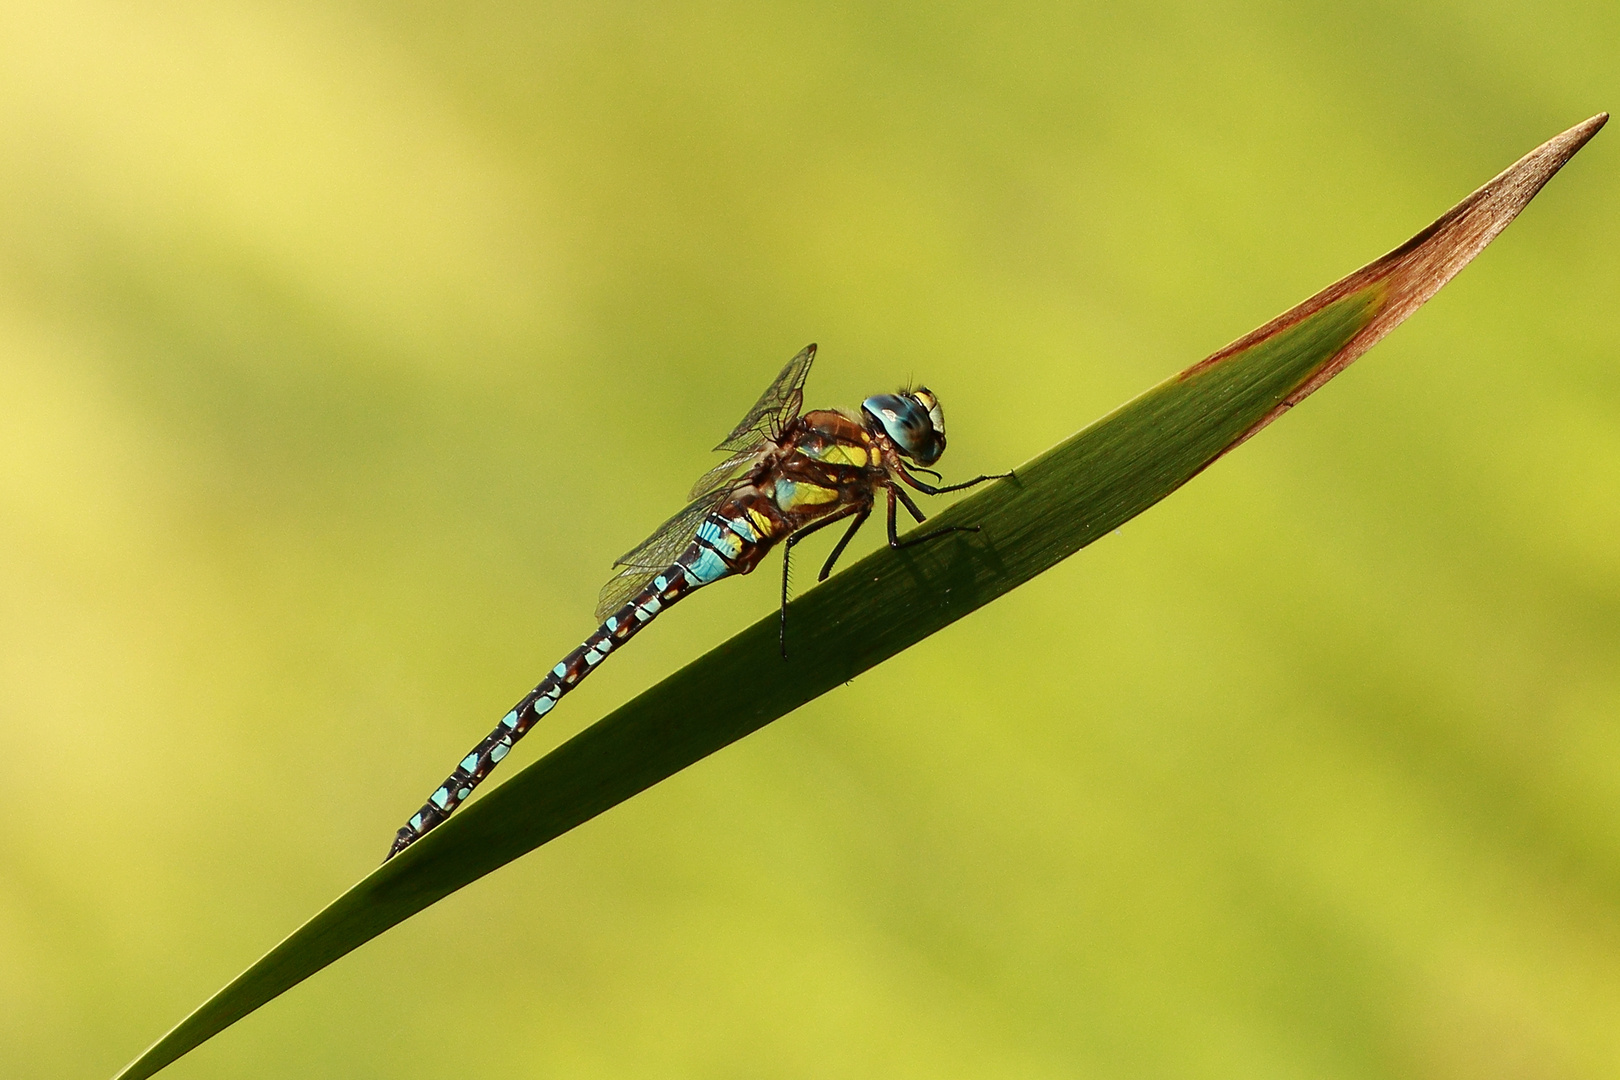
point(894, 535)
point(787, 556)
point(930, 489)
point(843, 542)
point(911, 506)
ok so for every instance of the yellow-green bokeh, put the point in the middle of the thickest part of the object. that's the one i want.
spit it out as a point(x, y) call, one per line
point(342, 346)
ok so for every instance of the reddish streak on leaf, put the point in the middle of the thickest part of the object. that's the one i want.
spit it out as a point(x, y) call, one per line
point(1417, 269)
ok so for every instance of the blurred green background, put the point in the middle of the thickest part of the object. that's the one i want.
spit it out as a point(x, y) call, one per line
point(343, 345)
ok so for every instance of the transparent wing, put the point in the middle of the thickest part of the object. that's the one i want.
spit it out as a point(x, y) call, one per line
point(776, 408)
point(724, 476)
point(643, 562)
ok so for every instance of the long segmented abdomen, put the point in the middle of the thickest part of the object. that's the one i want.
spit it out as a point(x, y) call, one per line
point(722, 546)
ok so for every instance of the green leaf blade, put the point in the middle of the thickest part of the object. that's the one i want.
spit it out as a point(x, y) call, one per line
point(1074, 493)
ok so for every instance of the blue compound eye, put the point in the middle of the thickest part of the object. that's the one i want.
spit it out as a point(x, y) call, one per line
point(913, 421)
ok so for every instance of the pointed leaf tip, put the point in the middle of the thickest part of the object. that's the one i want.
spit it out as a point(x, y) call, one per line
point(1403, 280)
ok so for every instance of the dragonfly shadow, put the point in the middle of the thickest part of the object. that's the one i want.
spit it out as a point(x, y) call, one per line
point(955, 569)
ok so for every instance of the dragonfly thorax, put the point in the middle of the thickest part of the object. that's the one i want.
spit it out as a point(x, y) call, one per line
point(912, 420)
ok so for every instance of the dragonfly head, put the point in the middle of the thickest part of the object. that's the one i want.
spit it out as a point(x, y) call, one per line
point(912, 420)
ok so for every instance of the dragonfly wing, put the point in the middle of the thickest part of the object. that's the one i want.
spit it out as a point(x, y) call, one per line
point(724, 476)
point(653, 555)
point(771, 415)
point(777, 407)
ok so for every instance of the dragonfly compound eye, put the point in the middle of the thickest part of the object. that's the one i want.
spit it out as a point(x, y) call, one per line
point(909, 420)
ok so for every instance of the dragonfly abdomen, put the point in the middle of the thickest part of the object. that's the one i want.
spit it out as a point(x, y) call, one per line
point(732, 540)
point(725, 544)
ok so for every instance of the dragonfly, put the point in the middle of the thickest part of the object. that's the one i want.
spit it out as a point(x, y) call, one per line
point(786, 477)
